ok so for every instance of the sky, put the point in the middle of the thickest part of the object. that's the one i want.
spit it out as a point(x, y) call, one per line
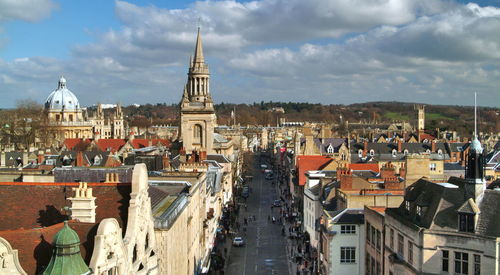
point(318, 51)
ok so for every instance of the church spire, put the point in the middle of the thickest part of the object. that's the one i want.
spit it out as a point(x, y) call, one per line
point(198, 52)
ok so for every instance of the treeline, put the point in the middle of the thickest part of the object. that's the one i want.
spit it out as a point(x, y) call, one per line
point(458, 118)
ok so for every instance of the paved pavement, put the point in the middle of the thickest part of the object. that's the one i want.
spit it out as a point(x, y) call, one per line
point(266, 249)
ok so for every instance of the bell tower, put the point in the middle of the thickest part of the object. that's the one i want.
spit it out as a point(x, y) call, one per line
point(198, 118)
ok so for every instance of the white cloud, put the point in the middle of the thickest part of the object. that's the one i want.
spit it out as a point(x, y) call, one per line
point(27, 10)
point(329, 51)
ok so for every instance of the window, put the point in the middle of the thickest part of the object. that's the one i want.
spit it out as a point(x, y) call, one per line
point(432, 166)
point(367, 264)
point(347, 229)
point(394, 153)
point(446, 260)
point(466, 222)
point(477, 264)
point(368, 238)
point(407, 206)
point(330, 149)
point(348, 254)
point(391, 241)
point(401, 245)
point(440, 152)
point(461, 263)
point(372, 153)
point(360, 153)
point(419, 212)
point(406, 152)
point(70, 117)
point(378, 239)
point(374, 236)
point(58, 117)
point(410, 252)
point(197, 134)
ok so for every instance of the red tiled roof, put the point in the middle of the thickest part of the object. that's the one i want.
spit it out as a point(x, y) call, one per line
point(35, 245)
point(364, 167)
point(110, 144)
point(308, 163)
point(377, 208)
point(76, 143)
point(32, 210)
point(144, 142)
point(426, 136)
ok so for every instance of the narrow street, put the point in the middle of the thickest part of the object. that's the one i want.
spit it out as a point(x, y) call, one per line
point(265, 251)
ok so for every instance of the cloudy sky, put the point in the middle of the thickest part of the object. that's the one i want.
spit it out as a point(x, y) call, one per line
point(327, 51)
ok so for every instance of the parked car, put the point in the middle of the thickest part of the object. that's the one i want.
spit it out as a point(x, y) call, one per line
point(238, 241)
point(277, 203)
point(263, 166)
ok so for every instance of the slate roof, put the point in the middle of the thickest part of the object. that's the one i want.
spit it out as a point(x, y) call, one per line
point(349, 216)
point(323, 143)
point(453, 166)
point(383, 151)
point(441, 203)
point(218, 158)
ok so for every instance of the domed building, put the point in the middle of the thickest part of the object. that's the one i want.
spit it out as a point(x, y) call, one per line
point(66, 119)
point(64, 115)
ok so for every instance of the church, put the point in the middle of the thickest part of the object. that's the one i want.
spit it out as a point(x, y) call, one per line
point(197, 114)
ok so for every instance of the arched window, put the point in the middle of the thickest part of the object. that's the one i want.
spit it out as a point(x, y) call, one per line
point(372, 153)
point(329, 149)
point(197, 134)
point(394, 153)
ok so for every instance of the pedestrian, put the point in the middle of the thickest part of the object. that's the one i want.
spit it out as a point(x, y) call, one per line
point(245, 221)
point(254, 218)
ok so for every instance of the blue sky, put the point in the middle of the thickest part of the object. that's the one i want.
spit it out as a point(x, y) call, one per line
point(329, 51)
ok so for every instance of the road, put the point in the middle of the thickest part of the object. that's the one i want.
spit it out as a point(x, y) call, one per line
point(265, 249)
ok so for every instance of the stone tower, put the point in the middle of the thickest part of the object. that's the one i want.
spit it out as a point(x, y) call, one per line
point(198, 118)
point(421, 118)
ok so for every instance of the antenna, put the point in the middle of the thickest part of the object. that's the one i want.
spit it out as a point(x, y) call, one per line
point(199, 20)
point(475, 115)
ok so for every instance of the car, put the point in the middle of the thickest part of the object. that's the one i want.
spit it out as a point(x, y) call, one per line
point(269, 177)
point(238, 241)
point(277, 203)
point(263, 166)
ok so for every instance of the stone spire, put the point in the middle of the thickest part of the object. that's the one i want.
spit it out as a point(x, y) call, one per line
point(198, 52)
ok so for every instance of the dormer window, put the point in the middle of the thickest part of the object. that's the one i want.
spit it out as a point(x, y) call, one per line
point(360, 153)
point(372, 153)
point(329, 149)
point(466, 222)
point(419, 212)
point(406, 152)
point(428, 151)
point(440, 152)
point(407, 206)
point(394, 153)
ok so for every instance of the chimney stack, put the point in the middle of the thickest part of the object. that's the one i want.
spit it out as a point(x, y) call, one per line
point(365, 147)
point(83, 204)
point(433, 146)
point(400, 145)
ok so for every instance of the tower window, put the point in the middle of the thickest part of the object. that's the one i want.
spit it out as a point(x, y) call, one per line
point(197, 134)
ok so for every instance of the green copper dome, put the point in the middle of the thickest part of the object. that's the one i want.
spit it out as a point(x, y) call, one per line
point(66, 259)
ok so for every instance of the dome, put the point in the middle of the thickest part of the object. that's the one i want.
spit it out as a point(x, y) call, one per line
point(476, 146)
point(62, 98)
point(66, 237)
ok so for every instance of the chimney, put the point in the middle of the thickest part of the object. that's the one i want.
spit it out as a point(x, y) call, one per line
point(182, 155)
point(166, 162)
point(365, 147)
point(83, 204)
point(79, 159)
point(433, 146)
point(346, 180)
point(25, 158)
point(40, 157)
point(203, 155)
point(400, 146)
point(2, 159)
